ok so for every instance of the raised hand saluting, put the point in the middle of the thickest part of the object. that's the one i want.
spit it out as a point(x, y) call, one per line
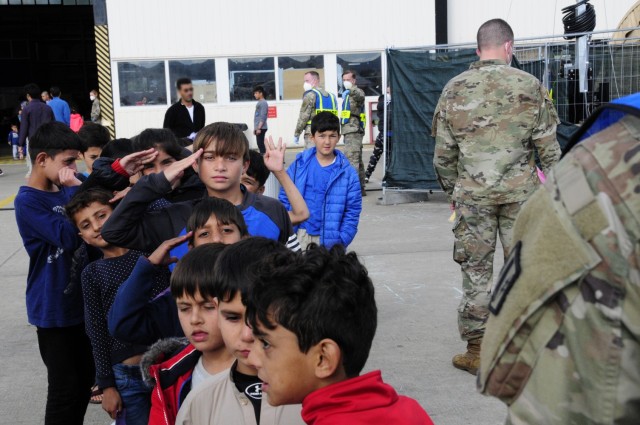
point(175, 171)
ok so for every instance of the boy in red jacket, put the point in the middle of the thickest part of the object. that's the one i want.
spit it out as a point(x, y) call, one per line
point(174, 375)
point(314, 317)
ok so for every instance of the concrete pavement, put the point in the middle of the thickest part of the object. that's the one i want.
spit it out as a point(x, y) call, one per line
point(407, 249)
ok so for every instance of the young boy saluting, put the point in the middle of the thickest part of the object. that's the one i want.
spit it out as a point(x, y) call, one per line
point(135, 319)
point(236, 397)
point(314, 319)
point(175, 368)
point(329, 185)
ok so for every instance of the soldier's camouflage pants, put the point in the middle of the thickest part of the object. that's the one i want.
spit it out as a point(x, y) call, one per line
point(353, 152)
point(475, 232)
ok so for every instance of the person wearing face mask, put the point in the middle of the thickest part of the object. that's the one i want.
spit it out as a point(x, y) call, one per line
point(95, 106)
point(353, 119)
point(314, 100)
point(488, 124)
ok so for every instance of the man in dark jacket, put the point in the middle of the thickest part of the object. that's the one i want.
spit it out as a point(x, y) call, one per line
point(34, 114)
point(185, 117)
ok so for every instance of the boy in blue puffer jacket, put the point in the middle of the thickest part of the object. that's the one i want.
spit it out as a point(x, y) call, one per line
point(329, 185)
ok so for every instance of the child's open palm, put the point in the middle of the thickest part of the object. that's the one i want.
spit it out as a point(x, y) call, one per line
point(274, 155)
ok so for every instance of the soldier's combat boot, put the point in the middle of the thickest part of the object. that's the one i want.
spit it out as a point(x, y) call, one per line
point(469, 361)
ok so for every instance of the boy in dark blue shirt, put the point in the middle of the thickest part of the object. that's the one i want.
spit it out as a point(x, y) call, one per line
point(329, 185)
point(221, 156)
point(50, 240)
point(125, 395)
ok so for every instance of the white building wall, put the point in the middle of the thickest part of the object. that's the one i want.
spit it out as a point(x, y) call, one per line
point(205, 28)
point(192, 29)
point(196, 29)
point(527, 18)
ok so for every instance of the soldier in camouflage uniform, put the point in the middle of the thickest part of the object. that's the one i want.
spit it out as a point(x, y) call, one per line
point(308, 108)
point(352, 118)
point(562, 344)
point(488, 123)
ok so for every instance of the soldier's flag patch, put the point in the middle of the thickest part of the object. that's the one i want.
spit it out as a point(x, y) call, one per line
point(508, 276)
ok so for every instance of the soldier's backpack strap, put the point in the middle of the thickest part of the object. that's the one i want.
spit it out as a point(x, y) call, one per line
point(561, 217)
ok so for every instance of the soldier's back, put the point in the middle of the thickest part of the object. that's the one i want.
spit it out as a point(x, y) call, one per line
point(492, 110)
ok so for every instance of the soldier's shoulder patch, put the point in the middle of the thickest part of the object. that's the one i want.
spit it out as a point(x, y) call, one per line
point(508, 276)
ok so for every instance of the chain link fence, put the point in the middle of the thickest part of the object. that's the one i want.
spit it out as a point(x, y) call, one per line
point(613, 70)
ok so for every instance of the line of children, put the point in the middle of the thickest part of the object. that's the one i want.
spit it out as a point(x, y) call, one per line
point(118, 374)
point(126, 304)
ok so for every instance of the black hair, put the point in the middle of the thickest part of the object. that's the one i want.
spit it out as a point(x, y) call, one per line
point(228, 137)
point(85, 198)
point(257, 169)
point(224, 211)
point(195, 272)
point(54, 91)
point(319, 294)
point(118, 148)
point(158, 138)
point(234, 266)
point(258, 89)
point(53, 138)
point(325, 121)
point(32, 90)
point(93, 135)
point(182, 81)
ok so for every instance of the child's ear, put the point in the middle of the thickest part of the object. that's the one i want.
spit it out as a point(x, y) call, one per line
point(245, 167)
point(41, 158)
point(327, 358)
point(196, 166)
point(260, 190)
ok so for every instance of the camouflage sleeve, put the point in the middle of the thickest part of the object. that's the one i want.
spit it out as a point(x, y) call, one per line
point(356, 97)
point(544, 133)
point(445, 157)
point(306, 110)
